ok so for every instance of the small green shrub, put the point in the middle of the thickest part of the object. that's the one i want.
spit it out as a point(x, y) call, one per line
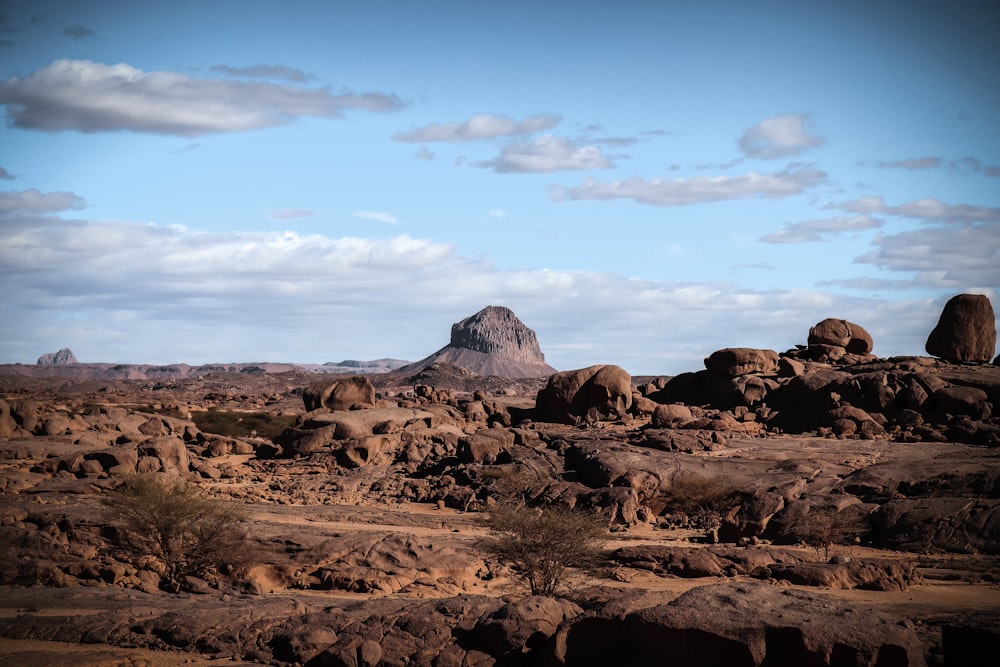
point(544, 544)
point(172, 522)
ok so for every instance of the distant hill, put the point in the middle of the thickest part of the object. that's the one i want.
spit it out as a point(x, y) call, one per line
point(491, 342)
point(151, 372)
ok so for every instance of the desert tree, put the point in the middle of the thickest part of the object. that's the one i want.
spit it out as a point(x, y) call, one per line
point(822, 527)
point(173, 523)
point(544, 544)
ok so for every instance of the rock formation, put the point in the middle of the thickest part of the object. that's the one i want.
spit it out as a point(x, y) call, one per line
point(841, 333)
point(966, 330)
point(346, 394)
point(491, 342)
point(592, 393)
point(60, 358)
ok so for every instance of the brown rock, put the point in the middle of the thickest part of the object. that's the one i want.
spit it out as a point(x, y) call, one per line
point(841, 333)
point(665, 416)
point(599, 392)
point(741, 360)
point(525, 624)
point(741, 624)
point(969, 401)
point(966, 330)
point(346, 394)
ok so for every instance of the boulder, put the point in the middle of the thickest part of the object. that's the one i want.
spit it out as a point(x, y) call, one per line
point(345, 394)
point(672, 414)
point(733, 361)
point(966, 330)
point(597, 392)
point(841, 333)
point(523, 625)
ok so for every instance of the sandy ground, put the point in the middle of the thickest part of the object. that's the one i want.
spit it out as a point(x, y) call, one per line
point(940, 595)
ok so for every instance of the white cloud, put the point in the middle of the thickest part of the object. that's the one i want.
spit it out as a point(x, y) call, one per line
point(810, 231)
point(424, 154)
point(687, 191)
point(479, 127)
point(290, 213)
point(94, 97)
point(546, 154)
point(143, 293)
point(377, 216)
point(962, 256)
point(927, 209)
point(496, 213)
point(779, 136)
point(33, 202)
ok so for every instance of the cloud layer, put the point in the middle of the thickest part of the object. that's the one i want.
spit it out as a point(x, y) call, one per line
point(94, 97)
point(138, 289)
point(479, 127)
point(700, 190)
point(811, 231)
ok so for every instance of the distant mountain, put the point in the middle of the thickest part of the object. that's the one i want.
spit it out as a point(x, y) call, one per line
point(75, 370)
point(361, 367)
point(491, 342)
point(63, 356)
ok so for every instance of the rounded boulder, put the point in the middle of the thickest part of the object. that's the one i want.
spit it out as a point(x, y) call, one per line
point(966, 330)
point(841, 333)
point(600, 392)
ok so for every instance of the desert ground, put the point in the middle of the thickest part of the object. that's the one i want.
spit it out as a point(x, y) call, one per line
point(332, 532)
point(822, 506)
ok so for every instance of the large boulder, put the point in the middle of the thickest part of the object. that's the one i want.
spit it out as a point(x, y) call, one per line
point(733, 361)
point(841, 333)
point(596, 392)
point(966, 330)
point(345, 394)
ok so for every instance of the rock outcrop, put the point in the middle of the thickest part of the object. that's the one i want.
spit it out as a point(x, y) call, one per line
point(739, 624)
point(592, 393)
point(841, 333)
point(491, 342)
point(346, 394)
point(966, 330)
point(60, 358)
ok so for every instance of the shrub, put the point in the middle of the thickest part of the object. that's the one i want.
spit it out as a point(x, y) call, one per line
point(701, 499)
point(183, 531)
point(544, 544)
point(241, 424)
point(821, 527)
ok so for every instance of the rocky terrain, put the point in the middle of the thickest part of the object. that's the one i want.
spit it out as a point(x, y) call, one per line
point(818, 506)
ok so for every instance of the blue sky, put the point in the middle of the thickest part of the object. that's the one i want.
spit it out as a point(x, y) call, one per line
point(641, 182)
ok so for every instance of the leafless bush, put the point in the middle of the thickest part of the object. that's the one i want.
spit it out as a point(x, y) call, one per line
point(172, 522)
point(701, 499)
point(544, 544)
point(821, 527)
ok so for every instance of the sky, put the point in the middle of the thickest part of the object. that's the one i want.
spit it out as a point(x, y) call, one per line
point(641, 182)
